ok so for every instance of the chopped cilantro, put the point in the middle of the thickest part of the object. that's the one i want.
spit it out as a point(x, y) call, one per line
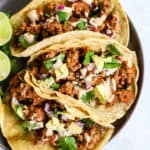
point(49, 64)
point(88, 123)
point(113, 50)
point(67, 143)
point(82, 25)
point(88, 96)
point(88, 58)
point(24, 43)
point(111, 65)
point(29, 125)
point(5, 49)
point(55, 86)
point(62, 16)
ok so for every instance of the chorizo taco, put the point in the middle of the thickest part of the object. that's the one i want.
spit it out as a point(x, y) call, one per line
point(96, 74)
point(31, 120)
point(40, 20)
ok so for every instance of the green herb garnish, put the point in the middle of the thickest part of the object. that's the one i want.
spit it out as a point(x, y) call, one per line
point(88, 58)
point(82, 25)
point(111, 65)
point(112, 49)
point(24, 43)
point(49, 64)
point(88, 96)
point(63, 16)
point(88, 123)
point(67, 143)
point(55, 86)
point(29, 125)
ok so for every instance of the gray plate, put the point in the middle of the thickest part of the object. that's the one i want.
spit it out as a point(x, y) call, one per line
point(11, 6)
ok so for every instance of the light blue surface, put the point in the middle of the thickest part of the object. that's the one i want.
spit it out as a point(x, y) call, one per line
point(136, 134)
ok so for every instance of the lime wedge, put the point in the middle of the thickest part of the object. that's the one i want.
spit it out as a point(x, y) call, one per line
point(5, 29)
point(5, 66)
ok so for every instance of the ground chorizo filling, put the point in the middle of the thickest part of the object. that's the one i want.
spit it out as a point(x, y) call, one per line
point(49, 120)
point(96, 78)
point(52, 19)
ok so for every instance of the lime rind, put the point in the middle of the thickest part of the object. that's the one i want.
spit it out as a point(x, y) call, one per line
point(6, 30)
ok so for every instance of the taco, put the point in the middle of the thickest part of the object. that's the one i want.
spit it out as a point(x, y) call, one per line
point(96, 74)
point(32, 120)
point(40, 20)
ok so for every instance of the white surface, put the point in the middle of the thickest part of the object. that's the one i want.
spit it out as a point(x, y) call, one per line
point(136, 134)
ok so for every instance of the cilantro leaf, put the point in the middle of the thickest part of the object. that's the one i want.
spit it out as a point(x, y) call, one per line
point(14, 65)
point(24, 43)
point(49, 64)
point(6, 50)
point(111, 65)
point(55, 86)
point(62, 16)
point(88, 123)
point(67, 143)
point(88, 96)
point(88, 58)
point(82, 25)
point(113, 50)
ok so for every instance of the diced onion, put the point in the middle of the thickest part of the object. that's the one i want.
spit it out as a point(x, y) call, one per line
point(29, 37)
point(33, 16)
point(98, 21)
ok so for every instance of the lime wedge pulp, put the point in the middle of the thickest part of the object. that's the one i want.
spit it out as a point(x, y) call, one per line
point(5, 29)
point(5, 66)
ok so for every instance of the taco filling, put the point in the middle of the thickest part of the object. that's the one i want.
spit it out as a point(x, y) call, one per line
point(95, 78)
point(56, 18)
point(50, 121)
